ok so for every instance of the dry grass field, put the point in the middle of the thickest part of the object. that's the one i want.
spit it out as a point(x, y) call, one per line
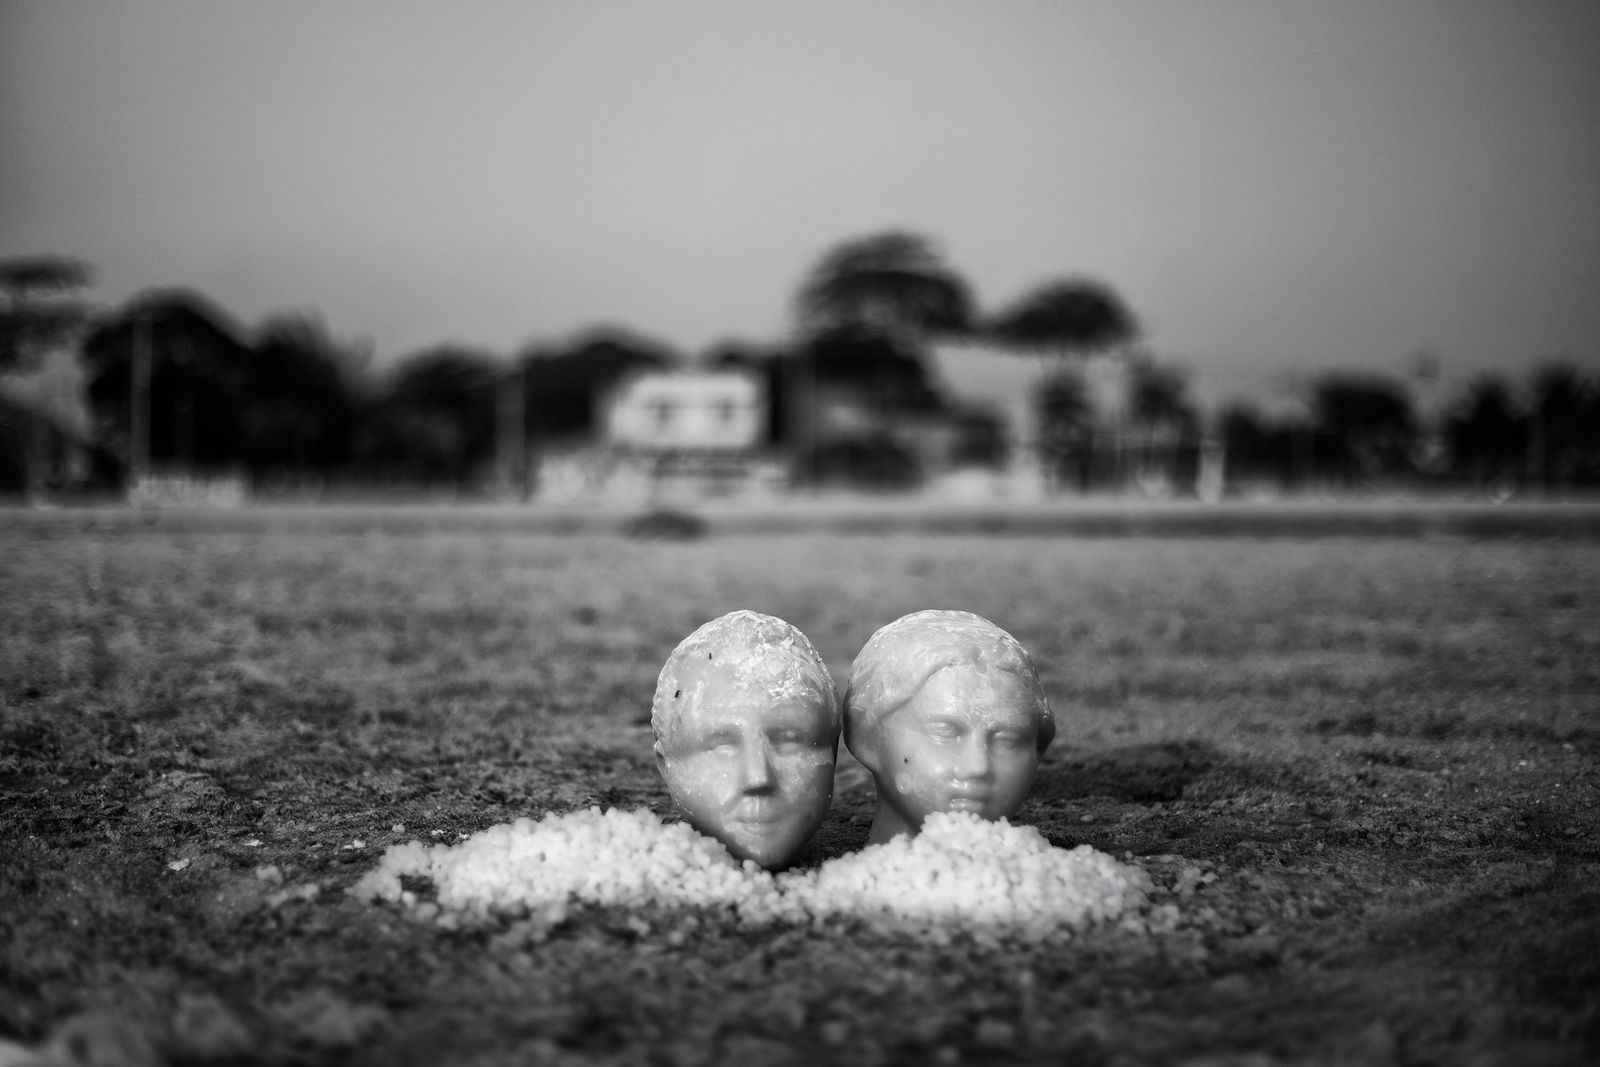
point(1363, 768)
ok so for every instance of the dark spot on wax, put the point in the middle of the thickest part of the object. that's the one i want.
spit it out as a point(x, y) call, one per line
point(906, 760)
point(678, 694)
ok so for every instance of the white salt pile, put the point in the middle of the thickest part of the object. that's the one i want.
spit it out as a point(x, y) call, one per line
point(962, 873)
point(959, 874)
point(616, 858)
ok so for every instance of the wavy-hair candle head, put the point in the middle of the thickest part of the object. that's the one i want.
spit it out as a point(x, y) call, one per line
point(946, 710)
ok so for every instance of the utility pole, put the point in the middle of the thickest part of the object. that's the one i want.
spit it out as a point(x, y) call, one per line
point(181, 361)
point(1302, 450)
point(139, 402)
point(512, 433)
point(1425, 367)
point(1120, 421)
point(1536, 451)
point(800, 415)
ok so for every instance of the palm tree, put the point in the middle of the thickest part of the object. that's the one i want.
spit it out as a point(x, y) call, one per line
point(1158, 405)
point(1065, 417)
point(438, 414)
point(1563, 427)
point(884, 293)
point(167, 377)
point(894, 282)
point(1488, 432)
point(1068, 317)
point(1367, 421)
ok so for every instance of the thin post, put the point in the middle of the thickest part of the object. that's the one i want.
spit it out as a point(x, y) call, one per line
point(139, 402)
point(512, 444)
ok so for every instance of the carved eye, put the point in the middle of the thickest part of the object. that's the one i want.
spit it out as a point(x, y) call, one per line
point(944, 731)
point(788, 738)
point(1009, 739)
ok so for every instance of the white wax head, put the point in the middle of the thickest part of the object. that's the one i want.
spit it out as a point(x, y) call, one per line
point(946, 710)
point(746, 722)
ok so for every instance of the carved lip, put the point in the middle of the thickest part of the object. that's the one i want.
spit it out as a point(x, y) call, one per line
point(968, 800)
point(758, 813)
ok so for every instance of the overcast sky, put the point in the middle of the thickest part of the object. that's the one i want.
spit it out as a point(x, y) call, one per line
point(1270, 185)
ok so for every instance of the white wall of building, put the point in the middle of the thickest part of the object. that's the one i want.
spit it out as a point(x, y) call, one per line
point(711, 410)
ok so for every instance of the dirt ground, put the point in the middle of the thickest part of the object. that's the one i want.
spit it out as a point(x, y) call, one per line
point(1362, 767)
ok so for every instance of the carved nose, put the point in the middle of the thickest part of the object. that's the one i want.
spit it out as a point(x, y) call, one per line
point(975, 761)
point(756, 774)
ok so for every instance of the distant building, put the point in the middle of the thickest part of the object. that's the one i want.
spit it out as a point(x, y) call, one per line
point(674, 411)
point(671, 434)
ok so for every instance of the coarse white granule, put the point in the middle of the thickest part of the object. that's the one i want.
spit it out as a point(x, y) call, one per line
point(963, 873)
point(959, 874)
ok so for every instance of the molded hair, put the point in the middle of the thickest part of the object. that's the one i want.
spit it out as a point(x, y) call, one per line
point(759, 650)
point(899, 658)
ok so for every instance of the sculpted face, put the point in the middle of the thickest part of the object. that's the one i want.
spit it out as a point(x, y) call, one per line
point(946, 711)
point(967, 741)
point(747, 729)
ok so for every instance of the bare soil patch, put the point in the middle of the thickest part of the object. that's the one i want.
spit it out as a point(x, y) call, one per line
point(1363, 769)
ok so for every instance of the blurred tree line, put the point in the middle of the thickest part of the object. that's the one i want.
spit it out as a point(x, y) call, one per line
point(294, 407)
point(1495, 435)
point(173, 382)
